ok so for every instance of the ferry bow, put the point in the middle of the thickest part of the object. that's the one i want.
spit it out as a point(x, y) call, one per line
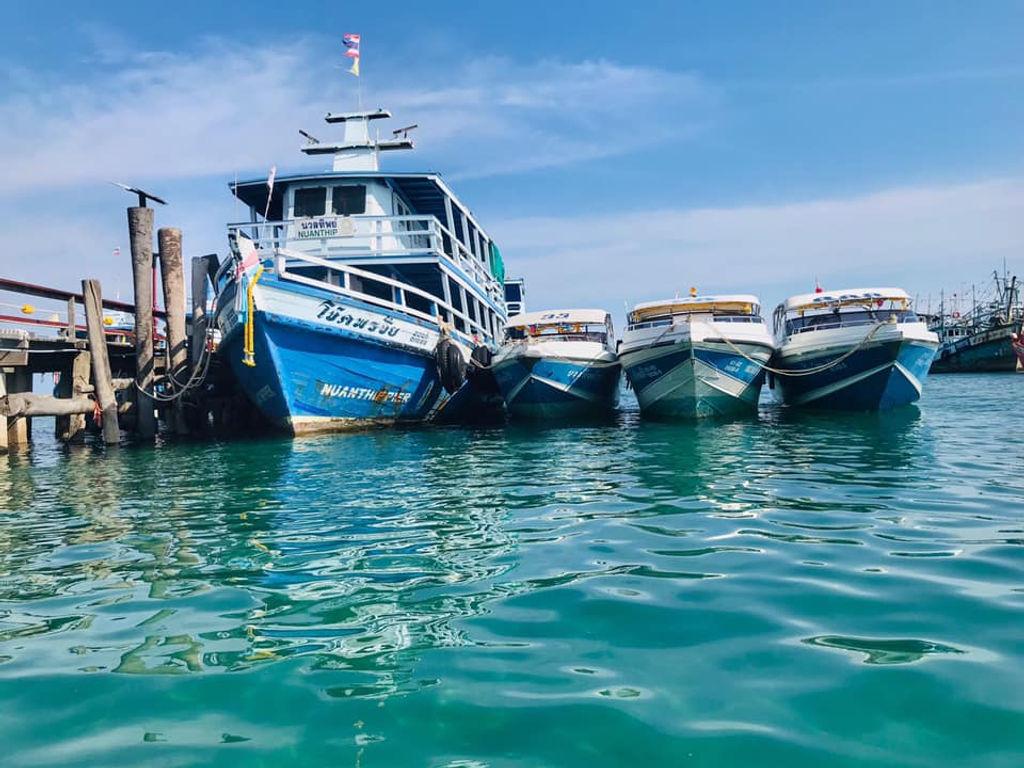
point(356, 297)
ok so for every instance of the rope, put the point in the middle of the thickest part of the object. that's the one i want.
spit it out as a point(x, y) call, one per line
point(806, 371)
point(195, 380)
point(249, 343)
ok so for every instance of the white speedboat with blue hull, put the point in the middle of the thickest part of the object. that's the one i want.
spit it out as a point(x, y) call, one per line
point(559, 364)
point(857, 349)
point(696, 357)
point(356, 297)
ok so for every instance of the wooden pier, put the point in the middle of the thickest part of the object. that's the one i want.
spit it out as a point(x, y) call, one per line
point(113, 377)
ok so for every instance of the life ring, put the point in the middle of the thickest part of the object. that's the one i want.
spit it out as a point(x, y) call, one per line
point(451, 366)
point(956, 315)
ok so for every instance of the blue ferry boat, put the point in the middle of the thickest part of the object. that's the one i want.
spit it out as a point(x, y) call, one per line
point(559, 364)
point(855, 349)
point(356, 297)
point(696, 357)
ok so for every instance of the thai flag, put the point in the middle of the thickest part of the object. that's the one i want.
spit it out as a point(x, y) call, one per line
point(351, 42)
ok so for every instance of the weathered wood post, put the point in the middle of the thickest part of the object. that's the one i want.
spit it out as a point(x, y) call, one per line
point(140, 232)
point(102, 383)
point(172, 276)
point(74, 381)
point(70, 329)
point(201, 271)
point(3, 412)
point(19, 428)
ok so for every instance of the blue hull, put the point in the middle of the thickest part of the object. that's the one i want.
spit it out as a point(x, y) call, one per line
point(311, 378)
point(688, 381)
point(544, 388)
point(879, 377)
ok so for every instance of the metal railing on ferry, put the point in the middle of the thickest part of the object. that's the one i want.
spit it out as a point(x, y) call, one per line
point(662, 322)
point(372, 237)
point(348, 280)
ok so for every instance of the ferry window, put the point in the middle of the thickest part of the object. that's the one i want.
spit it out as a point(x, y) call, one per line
point(420, 303)
point(310, 201)
point(513, 292)
point(349, 200)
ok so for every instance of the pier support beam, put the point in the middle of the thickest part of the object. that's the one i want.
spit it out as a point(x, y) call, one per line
point(102, 383)
point(140, 232)
point(74, 381)
point(172, 276)
point(3, 413)
point(19, 429)
point(203, 269)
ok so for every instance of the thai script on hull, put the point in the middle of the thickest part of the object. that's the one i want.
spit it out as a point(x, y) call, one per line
point(333, 312)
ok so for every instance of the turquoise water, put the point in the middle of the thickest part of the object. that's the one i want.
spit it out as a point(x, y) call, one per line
point(789, 590)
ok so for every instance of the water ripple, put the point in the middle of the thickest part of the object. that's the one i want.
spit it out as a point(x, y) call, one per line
point(485, 596)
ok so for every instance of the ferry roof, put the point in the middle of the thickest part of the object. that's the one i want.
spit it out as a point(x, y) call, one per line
point(558, 316)
point(683, 304)
point(425, 191)
point(844, 296)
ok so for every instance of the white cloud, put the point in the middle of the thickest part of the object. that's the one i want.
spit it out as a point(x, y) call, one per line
point(916, 237)
point(224, 108)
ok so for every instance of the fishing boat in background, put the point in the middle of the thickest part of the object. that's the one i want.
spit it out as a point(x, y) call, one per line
point(980, 340)
point(855, 349)
point(698, 356)
point(356, 297)
point(559, 364)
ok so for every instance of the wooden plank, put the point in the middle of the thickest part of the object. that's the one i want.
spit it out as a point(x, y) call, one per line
point(25, 404)
point(13, 357)
point(43, 292)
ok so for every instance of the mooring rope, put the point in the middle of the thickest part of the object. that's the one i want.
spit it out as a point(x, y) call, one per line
point(807, 371)
point(196, 379)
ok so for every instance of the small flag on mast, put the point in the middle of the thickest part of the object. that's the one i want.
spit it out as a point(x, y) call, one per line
point(351, 42)
point(270, 189)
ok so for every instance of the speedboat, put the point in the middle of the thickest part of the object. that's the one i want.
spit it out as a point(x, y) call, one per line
point(558, 364)
point(356, 297)
point(855, 349)
point(697, 356)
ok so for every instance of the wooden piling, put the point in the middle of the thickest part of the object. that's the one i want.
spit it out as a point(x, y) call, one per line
point(200, 271)
point(102, 383)
point(74, 381)
point(3, 412)
point(19, 427)
point(140, 232)
point(172, 276)
point(70, 330)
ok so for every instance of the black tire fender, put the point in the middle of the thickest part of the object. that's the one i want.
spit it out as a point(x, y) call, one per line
point(451, 365)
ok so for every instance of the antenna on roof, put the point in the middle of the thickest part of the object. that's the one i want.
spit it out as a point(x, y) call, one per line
point(309, 138)
point(404, 132)
point(143, 195)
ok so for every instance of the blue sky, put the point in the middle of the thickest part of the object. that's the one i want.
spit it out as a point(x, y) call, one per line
point(617, 152)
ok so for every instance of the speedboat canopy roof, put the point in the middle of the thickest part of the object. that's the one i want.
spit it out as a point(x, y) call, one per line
point(845, 297)
point(740, 303)
point(559, 317)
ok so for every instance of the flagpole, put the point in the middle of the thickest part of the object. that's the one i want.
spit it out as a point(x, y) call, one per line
point(359, 77)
